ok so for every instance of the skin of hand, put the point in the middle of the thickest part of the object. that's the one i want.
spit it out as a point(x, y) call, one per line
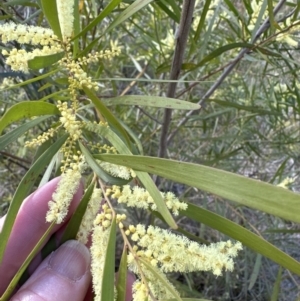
point(64, 274)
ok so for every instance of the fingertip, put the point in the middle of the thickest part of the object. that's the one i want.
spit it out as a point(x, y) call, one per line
point(64, 275)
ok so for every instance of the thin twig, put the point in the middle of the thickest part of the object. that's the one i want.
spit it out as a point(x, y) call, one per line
point(148, 115)
point(227, 71)
point(181, 40)
point(134, 81)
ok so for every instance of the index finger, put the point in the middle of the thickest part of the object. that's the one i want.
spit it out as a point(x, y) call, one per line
point(29, 227)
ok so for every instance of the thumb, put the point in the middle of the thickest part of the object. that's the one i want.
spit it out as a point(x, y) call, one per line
point(64, 275)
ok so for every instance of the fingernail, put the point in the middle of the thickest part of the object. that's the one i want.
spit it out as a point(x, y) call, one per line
point(70, 260)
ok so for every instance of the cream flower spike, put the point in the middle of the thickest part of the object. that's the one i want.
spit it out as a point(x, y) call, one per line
point(65, 9)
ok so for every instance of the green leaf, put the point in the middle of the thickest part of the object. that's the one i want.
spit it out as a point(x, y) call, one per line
point(223, 49)
point(157, 198)
point(201, 24)
point(170, 13)
point(252, 109)
point(50, 11)
point(134, 137)
point(255, 271)
point(24, 188)
point(258, 18)
point(26, 109)
point(31, 80)
point(152, 101)
point(5, 17)
point(21, 2)
point(76, 28)
point(246, 237)
point(16, 133)
point(102, 174)
point(45, 86)
point(161, 278)
point(75, 221)
point(144, 178)
point(277, 285)
point(122, 277)
point(245, 191)
point(127, 13)
point(104, 13)
point(111, 119)
point(108, 280)
point(40, 62)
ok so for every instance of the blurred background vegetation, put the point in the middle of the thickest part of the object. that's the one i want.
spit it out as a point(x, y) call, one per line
point(249, 124)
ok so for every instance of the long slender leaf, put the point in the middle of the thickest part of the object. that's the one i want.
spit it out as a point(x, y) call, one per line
point(103, 110)
point(50, 11)
point(277, 285)
point(31, 80)
point(21, 2)
point(104, 13)
point(127, 13)
point(162, 279)
point(144, 177)
point(255, 271)
point(102, 174)
point(170, 13)
point(76, 27)
point(26, 109)
point(201, 23)
point(18, 132)
point(107, 292)
point(247, 238)
point(245, 191)
point(152, 101)
point(122, 277)
point(40, 62)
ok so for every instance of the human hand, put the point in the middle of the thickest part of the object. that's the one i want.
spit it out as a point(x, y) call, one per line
point(64, 274)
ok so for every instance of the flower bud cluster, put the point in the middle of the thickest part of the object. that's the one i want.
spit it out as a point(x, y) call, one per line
point(65, 10)
point(119, 219)
point(98, 248)
point(119, 171)
point(63, 195)
point(6, 83)
point(286, 182)
point(78, 77)
point(95, 57)
point(27, 34)
point(98, 251)
point(103, 148)
point(89, 216)
point(286, 36)
point(73, 160)
point(173, 253)
point(41, 138)
point(68, 120)
point(141, 198)
point(105, 217)
point(18, 59)
point(157, 285)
